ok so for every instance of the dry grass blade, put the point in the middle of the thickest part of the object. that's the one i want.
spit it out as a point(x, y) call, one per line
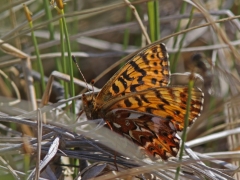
point(9, 168)
point(139, 20)
point(51, 153)
point(39, 138)
point(92, 171)
point(15, 89)
point(61, 144)
point(7, 48)
point(213, 137)
point(26, 65)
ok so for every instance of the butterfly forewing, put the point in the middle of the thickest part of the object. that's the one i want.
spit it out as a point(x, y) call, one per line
point(148, 69)
point(169, 103)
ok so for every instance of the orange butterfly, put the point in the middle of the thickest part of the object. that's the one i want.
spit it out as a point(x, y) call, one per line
point(138, 103)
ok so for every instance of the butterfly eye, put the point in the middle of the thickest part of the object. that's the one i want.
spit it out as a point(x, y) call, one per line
point(151, 148)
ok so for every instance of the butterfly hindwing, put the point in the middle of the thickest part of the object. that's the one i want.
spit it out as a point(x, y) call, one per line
point(155, 134)
point(169, 103)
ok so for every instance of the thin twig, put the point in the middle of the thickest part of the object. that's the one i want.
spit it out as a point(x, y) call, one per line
point(139, 21)
point(39, 145)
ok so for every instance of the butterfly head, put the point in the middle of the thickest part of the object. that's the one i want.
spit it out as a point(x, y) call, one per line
point(89, 104)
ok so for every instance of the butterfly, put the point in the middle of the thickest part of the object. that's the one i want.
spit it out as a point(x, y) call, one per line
point(138, 103)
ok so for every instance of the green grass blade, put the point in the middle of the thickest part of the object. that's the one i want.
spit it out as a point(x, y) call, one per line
point(154, 23)
point(186, 122)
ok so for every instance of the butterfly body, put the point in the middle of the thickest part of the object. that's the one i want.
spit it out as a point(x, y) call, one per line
point(138, 103)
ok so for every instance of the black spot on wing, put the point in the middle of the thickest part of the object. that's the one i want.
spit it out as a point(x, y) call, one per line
point(154, 80)
point(115, 88)
point(161, 106)
point(137, 68)
point(133, 87)
point(183, 107)
point(184, 102)
point(161, 82)
point(144, 58)
point(144, 99)
point(176, 112)
point(165, 101)
point(150, 110)
point(126, 76)
point(159, 96)
point(138, 101)
point(155, 71)
point(124, 83)
point(154, 49)
point(140, 81)
point(169, 118)
point(164, 52)
point(183, 95)
point(127, 103)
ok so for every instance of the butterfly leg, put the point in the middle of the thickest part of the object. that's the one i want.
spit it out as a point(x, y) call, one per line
point(109, 125)
point(79, 114)
point(115, 160)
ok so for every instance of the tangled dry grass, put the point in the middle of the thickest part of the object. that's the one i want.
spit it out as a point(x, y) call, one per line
point(42, 138)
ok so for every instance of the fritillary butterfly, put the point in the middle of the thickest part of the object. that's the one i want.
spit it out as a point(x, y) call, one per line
point(138, 103)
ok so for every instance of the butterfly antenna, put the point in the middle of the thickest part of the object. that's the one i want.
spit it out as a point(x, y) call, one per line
point(92, 82)
point(74, 60)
